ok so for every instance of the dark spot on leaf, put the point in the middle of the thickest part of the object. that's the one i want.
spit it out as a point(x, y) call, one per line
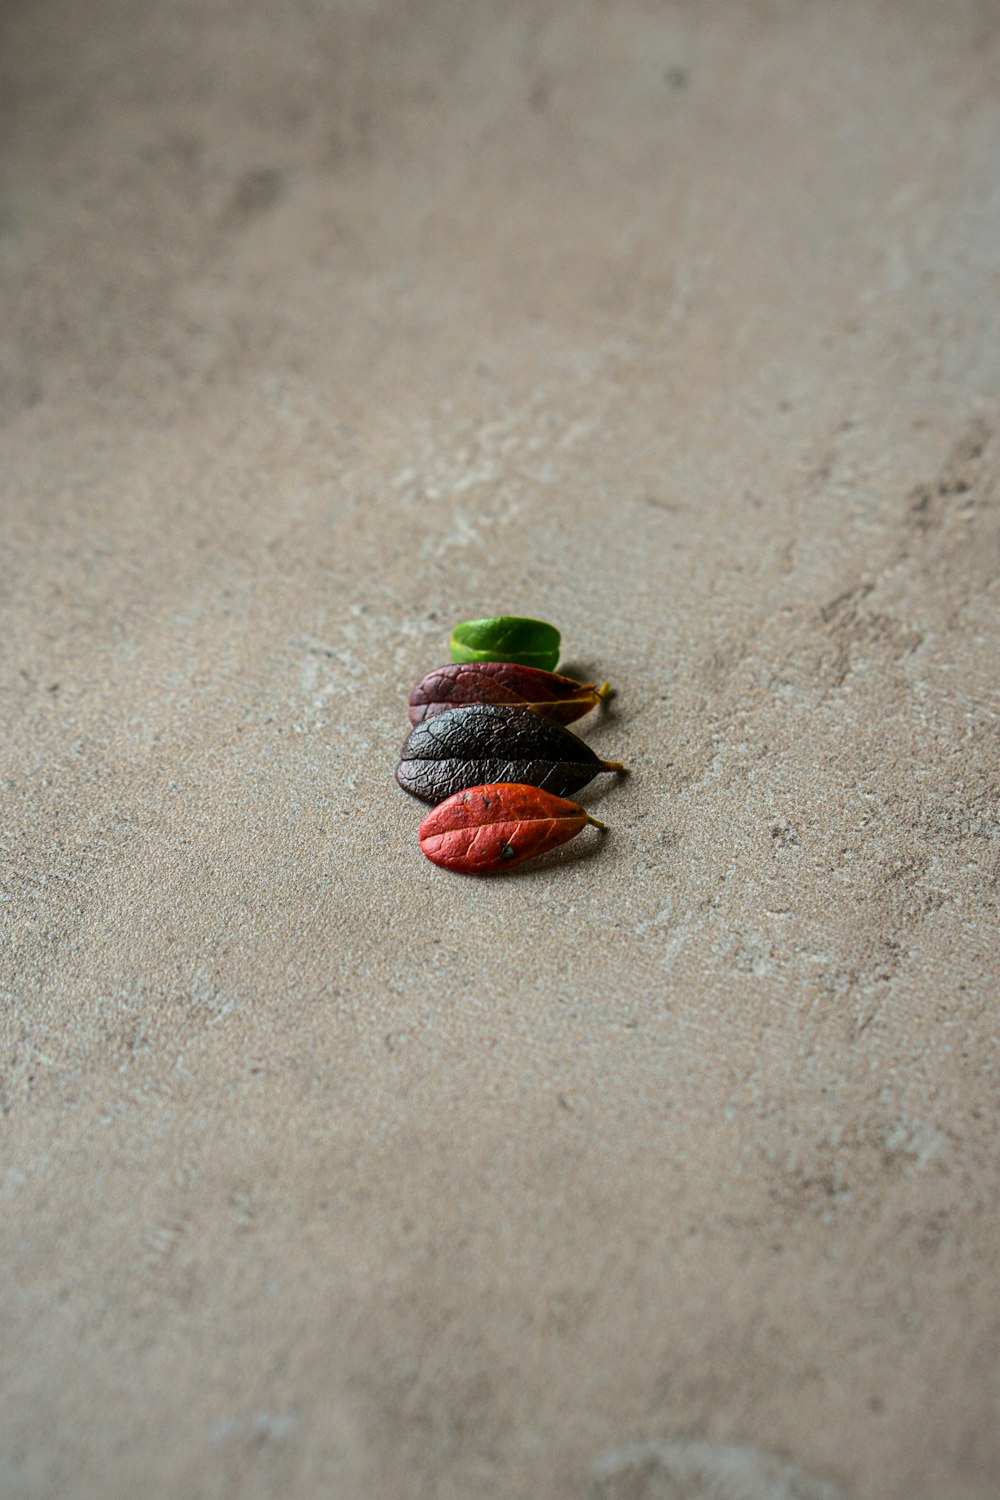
point(539, 96)
point(507, 851)
point(257, 191)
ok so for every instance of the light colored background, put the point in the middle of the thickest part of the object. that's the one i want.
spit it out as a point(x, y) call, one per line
point(325, 1173)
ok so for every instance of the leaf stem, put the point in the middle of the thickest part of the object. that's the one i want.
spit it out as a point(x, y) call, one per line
point(613, 765)
point(597, 823)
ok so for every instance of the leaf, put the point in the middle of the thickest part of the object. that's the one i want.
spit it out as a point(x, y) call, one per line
point(499, 826)
point(491, 742)
point(530, 643)
point(557, 698)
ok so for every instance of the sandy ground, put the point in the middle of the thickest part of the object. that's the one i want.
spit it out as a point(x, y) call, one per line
point(668, 1168)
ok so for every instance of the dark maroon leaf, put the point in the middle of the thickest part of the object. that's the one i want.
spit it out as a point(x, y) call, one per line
point(489, 742)
point(560, 699)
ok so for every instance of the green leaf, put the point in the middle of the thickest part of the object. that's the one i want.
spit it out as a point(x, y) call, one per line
point(530, 643)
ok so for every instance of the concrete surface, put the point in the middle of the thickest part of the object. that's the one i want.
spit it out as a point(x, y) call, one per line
point(669, 1167)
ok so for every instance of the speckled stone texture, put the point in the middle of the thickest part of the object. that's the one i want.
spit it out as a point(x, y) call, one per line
point(670, 1164)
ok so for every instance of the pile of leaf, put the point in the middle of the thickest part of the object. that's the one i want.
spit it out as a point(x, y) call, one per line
point(490, 748)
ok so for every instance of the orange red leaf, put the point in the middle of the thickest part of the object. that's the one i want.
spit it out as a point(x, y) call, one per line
point(498, 826)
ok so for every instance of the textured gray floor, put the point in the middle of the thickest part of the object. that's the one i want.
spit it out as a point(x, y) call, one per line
point(667, 1169)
